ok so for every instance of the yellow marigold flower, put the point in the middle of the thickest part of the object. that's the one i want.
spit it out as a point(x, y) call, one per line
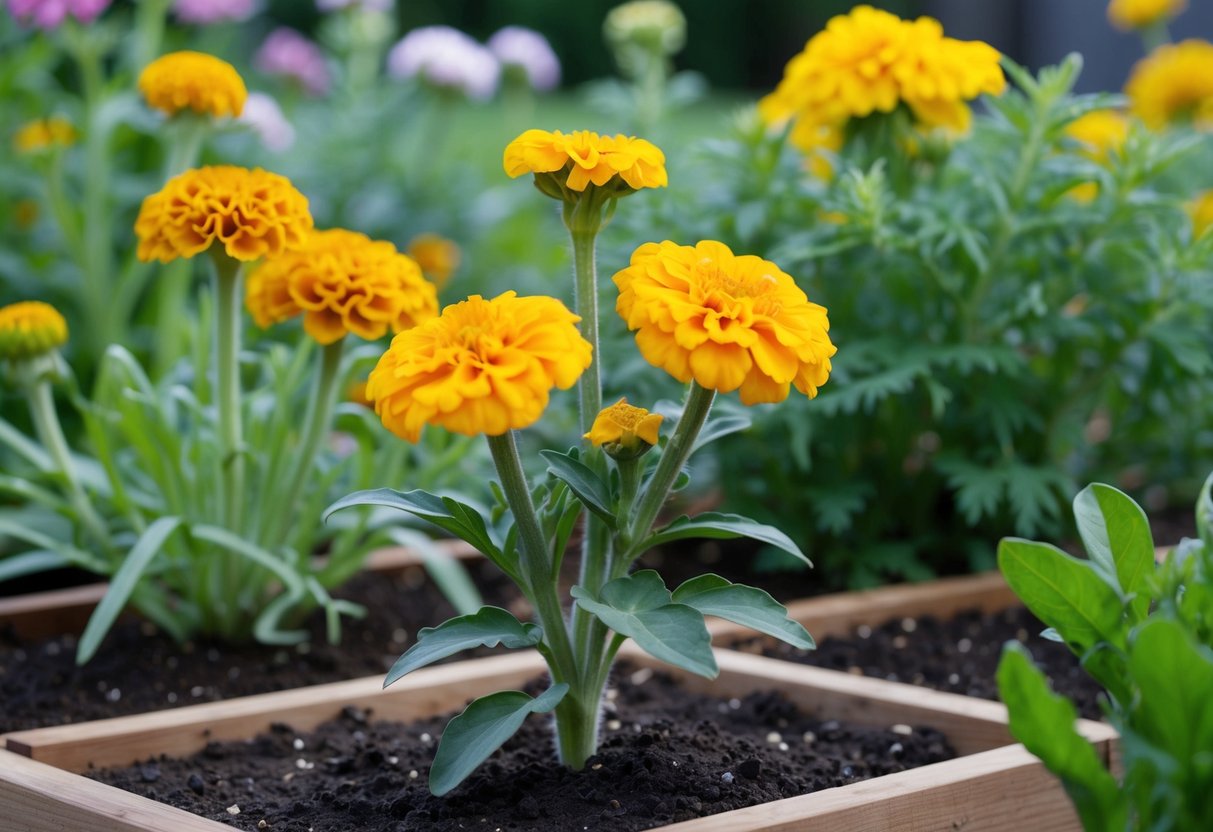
point(29, 329)
point(356, 393)
point(1201, 212)
point(193, 81)
point(43, 133)
point(625, 429)
point(587, 158)
point(482, 366)
point(1140, 14)
point(1099, 134)
point(1172, 83)
point(726, 321)
point(343, 282)
point(437, 256)
point(252, 213)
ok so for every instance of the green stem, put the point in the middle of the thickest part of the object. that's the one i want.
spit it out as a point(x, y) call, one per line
point(149, 27)
point(50, 432)
point(585, 274)
point(673, 458)
point(227, 351)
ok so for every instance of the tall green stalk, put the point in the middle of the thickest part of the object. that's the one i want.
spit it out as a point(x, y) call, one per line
point(228, 322)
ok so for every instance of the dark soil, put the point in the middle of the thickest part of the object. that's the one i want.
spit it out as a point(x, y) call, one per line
point(667, 755)
point(959, 655)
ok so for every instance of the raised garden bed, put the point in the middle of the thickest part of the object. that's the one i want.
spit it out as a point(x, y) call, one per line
point(993, 785)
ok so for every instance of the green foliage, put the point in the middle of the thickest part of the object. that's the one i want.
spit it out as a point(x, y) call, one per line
point(489, 627)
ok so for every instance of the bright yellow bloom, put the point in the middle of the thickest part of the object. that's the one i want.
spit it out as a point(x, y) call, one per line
point(1100, 134)
point(42, 133)
point(356, 393)
point(343, 282)
point(252, 213)
point(726, 321)
point(437, 256)
point(1140, 14)
point(30, 329)
point(588, 158)
point(626, 426)
point(1201, 212)
point(482, 366)
point(193, 81)
point(1173, 83)
point(870, 61)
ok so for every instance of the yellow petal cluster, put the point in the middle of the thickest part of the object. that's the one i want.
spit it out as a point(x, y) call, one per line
point(437, 256)
point(588, 158)
point(727, 321)
point(251, 213)
point(29, 329)
point(1200, 210)
point(482, 366)
point(343, 282)
point(1140, 14)
point(1173, 83)
point(625, 425)
point(193, 81)
point(1100, 134)
point(870, 61)
point(43, 133)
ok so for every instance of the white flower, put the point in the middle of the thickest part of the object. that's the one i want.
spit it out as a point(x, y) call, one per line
point(529, 50)
point(265, 117)
point(445, 57)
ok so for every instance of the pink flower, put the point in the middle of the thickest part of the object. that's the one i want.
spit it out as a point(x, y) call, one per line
point(265, 117)
point(48, 14)
point(207, 12)
point(289, 54)
point(445, 57)
point(530, 51)
point(369, 5)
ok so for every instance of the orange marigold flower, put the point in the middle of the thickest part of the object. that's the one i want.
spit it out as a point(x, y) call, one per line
point(729, 322)
point(1141, 14)
point(625, 162)
point(193, 81)
point(626, 430)
point(252, 213)
point(43, 133)
point(356, 393)
point(343, 282)
point(437, 256)
point(1173, 83)
point(482, 366)
point(29, 329)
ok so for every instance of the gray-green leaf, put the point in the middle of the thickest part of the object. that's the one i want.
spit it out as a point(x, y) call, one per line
point(583, 482)
point(487, 627)
point(745, 605)
point(717, 526)
point(481, 729)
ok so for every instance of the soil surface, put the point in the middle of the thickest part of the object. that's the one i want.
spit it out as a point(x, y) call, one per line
point(667, 755)
point(959, 655)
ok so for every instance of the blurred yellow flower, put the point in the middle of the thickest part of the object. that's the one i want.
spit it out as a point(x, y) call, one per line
point(625, 425)
point(1201, 212)
point(193, 81)
point(437, 256)
point(1173, 83)
point(1140, 14)
point(870, 61)
point(43, 133)
point(343, 282)
point(252, 213)
point(625, 162)
point(356, 393)
point(726, 321)
point(482, 366)
point(1100, 134)
point(29, 329)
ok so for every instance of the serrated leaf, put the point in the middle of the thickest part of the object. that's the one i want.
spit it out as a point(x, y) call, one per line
point(716, 526)
point(1117, 538)
point(470, 738)
point(583, 482)
point(744, 605)
point(488, 627)
point(640, 607)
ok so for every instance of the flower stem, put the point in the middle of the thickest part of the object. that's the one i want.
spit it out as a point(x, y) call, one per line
point(673, 458)
point(585, 273)
point(227, 350)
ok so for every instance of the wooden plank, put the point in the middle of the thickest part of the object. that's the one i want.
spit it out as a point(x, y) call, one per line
point(35, 797)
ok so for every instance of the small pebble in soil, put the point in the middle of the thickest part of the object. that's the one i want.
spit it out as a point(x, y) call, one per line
point(902, 729)
point(195, 784)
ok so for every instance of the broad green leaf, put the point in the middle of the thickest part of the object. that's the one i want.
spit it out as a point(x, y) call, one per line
point(1174, 678)
point(459, 519)
point(1044, 723)
point(1204, 513)
point(587, 485)
point(1065, 593)
point(30, 563)
point(488, 627)
point(719, 427)
point(486, 723)
point(717, 526)
point(1117, 537)
point(745, 605)
point(123, 584)
point(640, 607)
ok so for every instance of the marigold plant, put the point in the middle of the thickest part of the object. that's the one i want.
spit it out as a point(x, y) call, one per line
point(29, 329)
point(193, 81)
point(1174, 83)
point(438, 257)
point(1140, 14)
point(44, 133)
point(624, 429)
point(581, 158)
point(1100, 135)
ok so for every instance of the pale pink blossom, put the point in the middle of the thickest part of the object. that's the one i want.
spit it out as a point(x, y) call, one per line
point(265, 117)
point(48, 14)
point(531, 52)
point(445, 57)
point(208, 12)
point(288, 54)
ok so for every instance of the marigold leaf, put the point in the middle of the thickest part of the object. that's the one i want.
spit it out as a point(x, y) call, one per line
point(745, 605)
point(488, 627)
